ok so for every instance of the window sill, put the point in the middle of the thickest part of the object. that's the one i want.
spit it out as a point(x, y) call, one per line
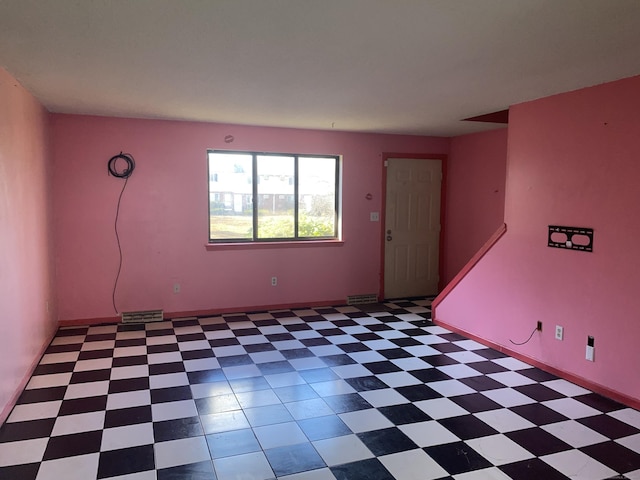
point(210, 247)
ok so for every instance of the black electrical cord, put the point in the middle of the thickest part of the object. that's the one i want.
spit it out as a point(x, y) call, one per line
point(530, 337)
point(125, 173)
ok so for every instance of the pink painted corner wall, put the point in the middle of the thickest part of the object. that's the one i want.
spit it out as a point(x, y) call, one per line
point(572, 160)
point(475, 195)
point(26, 268)
point(163, 218)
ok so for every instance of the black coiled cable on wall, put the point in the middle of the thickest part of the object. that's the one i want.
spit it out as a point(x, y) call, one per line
point(114, 169)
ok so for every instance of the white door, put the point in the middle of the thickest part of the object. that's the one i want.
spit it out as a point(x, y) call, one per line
point(412, 227)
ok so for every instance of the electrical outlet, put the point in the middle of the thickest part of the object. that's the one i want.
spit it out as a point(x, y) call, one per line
point(539, 326)
point(590, 352)
point(176, 288)
point(274, 281)
point(559, 332)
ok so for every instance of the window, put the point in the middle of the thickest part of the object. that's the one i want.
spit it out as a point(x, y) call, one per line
point(256, 197)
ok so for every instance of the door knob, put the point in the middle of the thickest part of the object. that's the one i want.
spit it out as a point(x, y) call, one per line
point(389, 238)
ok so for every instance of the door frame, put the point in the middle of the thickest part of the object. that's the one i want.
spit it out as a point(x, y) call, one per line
point(383, 210)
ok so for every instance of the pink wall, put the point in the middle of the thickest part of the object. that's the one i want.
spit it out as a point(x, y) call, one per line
point(26, 269)
point(163, 219)
point(475, 195)
point(572, 160)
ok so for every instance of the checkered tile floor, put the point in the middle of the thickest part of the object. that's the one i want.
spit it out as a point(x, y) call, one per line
point(376, 392)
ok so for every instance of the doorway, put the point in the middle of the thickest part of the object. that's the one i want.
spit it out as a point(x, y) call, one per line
point(412, 227)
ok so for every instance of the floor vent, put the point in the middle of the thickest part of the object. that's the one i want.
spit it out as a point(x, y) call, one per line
point(143, 316)
point(361, 299)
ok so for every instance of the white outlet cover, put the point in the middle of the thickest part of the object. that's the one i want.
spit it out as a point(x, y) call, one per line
point(559, 332)
point(590, 353)
point(374, 216)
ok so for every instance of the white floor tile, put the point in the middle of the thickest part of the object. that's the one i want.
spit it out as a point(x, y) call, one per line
point(24, 451)
point(438, 408)
point(413, 465)
point(451, 388)
point(319, 474)
point(578, 466)
point(574, 433)
point(135, 351)
point(493, 473)
point(164, 357)
point(335, 387)
point(50, 358)
point(202, 390)
point(314, 407)
point(504, 420)
point(168, 380)
point(279, 435)
point(128, 399)
point(181, 452)
point(101, 345)
point(508, 397)
point(409, 364)
point(82, 422)
point(251, 466)
point(173, 410)
point(339, 450)
point(201, 364)
point(367, 356)
point(194, 345)
point(458, 371)
point(426, 434)
point(365, 420)
point(133, 371)
point(89, 389)
point(632, 442)
point(511, 363)
point(127, 436)
point(161, 340)
point(566, 388)
point(259, 398)
point(265, 357)
point(571, 408)
point(499, 449)
point(46, 381)
point(466, 356)
point(383, 397)
point(398, 379)
point(80, 467)
point(284, 379)
point(34, 411)
point(627, 415)
point(511, 379)
point(241, 371)
point(351, 371)
point(94, 364)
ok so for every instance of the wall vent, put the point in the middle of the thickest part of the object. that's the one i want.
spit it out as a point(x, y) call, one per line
point(143, 316)
point(361, 299)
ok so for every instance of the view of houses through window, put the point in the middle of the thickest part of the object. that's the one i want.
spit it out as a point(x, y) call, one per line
point(261, 197)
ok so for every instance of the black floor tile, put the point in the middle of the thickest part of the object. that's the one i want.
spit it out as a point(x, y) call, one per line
point(387, 441)
point(93, 354)
point(439, 360)
point(416, 393)
point(54, 368)
point(378, 368)
point(337, 360)
point(235, 360)
point(206, 376)
point(370, 469)
point(538, 414)
point(165, 368)
point(362, 384)
point(319, 428)
point(538, 441)
point(349, 402)
point(126, 461)
point(192, 471)
point(481, 383)
point(297, 353)
point(90, 376)
point(83, 405)
point(533, 469)
point(318, 375)
point(599, 402)
point(537, 374)
point(16, 431)
point(130, 361)
point(72, 445)
point(235, 442)
point(615, 456)
point(538, 392)
point(487, 367)
point(273, 368)
point(176, 429)
point(475, 402)
point(42, 395)
point(467, 427)
point(457, 457)
point(427, 375)
point(609, 426)
point(163, 348)
point(171, 394)
point(404, 413)
point(293, 459)
point(128, 385)
point(127, 416)
point(27, 471)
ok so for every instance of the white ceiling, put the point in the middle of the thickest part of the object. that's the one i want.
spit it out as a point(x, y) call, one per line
point(394, 66)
